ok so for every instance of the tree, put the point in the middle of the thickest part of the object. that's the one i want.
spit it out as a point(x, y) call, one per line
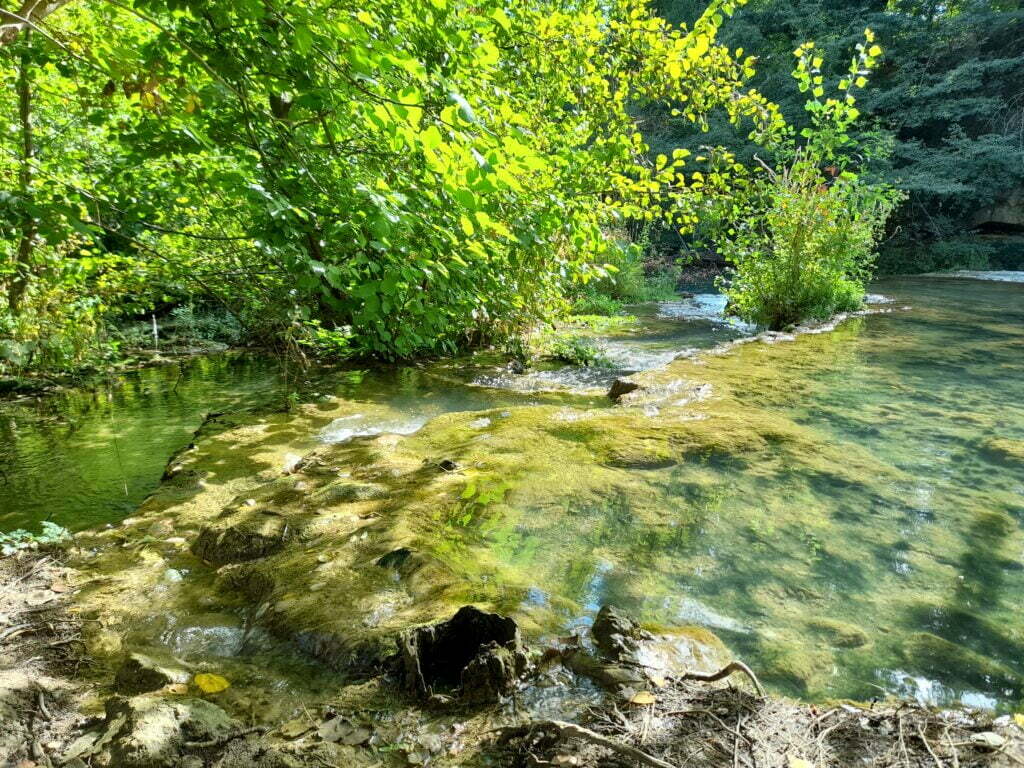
point(387, 178)
point(948, 91)
point(803, 248)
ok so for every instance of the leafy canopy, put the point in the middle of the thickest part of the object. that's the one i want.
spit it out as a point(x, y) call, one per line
point(387, 177)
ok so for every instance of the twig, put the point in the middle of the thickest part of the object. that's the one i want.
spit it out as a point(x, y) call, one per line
point(14, 631)
point(903, 744)
point(224, 739)
point(728, 669)
point(924, 740)
point(41, 703)
point(571, 730)
point(956, 756)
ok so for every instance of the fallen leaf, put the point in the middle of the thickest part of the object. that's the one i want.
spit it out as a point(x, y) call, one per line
point(987, 740)
point(210, 683)
point(799, 762)
point(176, 689)
point(658, 682)
point(643, 698)
point(59, 585)
point(1019, 719)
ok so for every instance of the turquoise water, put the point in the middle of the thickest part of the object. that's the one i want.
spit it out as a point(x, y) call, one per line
point(854, 525)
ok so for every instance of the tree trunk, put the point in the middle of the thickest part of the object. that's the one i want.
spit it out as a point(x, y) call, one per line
point(23, 262)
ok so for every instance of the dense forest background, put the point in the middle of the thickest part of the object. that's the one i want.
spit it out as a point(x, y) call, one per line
point(948, 100)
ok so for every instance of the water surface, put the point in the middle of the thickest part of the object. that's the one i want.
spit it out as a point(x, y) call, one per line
point(849, 520)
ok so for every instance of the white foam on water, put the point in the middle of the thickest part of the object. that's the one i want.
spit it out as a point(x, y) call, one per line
point(345, 428)
point(999, 276)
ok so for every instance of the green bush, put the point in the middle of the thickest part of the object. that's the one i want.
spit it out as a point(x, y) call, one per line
point(206, 325)
point(806, 247)
point(810, 251)
point(578, 350)
point(629, 280)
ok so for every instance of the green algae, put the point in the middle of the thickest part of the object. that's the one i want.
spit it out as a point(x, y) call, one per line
point(826, 504)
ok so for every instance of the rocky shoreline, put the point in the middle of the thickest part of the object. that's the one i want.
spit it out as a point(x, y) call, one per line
point(466, 691)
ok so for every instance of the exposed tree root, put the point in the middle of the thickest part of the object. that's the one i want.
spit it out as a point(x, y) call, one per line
point(724, 672)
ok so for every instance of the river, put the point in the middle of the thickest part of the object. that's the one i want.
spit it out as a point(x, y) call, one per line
point(848, 521)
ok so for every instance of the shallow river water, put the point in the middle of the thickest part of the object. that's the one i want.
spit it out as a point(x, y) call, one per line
point(856, 528)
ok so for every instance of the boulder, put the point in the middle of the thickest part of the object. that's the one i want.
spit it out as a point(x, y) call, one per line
point(151, 731)
point(262, 535)
point(616, 635)
point(475, 654)
point(629, 658)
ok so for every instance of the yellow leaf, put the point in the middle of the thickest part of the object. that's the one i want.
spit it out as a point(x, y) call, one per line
point(176, 689)
point(643, 698)
point(874, 50)
point(1019, 719)
point(210, 683)
point(799, 762)
point(659, 682)
point(861, 81)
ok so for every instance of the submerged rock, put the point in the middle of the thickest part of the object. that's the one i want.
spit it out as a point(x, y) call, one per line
point(480, 655)
point(347, 493)
point(1005, 450)
point(140, 673)
point(933, 655)
point(622, 386)
point(395, 559)
point(261, 536)
point(840, 634)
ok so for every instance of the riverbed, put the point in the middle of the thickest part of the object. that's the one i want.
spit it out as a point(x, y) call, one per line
point(842, 508)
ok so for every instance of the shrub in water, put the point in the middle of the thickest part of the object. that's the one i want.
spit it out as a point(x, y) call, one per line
point(806, 246)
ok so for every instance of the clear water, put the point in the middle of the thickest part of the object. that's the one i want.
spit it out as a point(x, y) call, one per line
point(84, 458)
point(852, 523)
point(853, 526)
point(88, 457)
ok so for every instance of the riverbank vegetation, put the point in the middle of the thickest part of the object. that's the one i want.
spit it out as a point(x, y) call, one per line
point(351, 180)
point(805, 245)
point(348, 179)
